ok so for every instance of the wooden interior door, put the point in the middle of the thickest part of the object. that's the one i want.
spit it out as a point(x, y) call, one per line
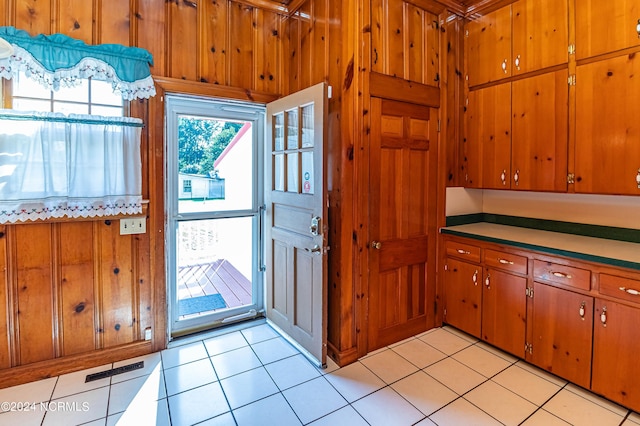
point(402, 215)
point(296, 214)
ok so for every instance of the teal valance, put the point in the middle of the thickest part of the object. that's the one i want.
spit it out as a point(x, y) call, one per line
point(59, 60)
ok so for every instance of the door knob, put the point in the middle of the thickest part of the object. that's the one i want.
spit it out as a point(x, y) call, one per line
point(376, 245)
point(315, 249)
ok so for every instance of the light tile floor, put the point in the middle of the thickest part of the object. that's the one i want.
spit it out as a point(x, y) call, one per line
point(253, 376)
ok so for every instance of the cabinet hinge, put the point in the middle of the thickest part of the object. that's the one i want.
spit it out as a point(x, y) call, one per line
point(466, 33)
point(529, 292)
point(528, 347)
point(571, 178)
point(444, 312)
point(572, 80)
point(446, 267)
point(572, 49)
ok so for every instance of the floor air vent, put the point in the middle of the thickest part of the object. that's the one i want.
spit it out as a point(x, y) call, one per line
point(114, 371)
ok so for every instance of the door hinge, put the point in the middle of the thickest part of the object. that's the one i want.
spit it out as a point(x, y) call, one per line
point(528, 347)
point(528, 292)
point(572, 80)
point(572, 49)
point(571, 178)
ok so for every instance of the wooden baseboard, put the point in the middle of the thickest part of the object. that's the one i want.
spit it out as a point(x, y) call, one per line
point(55, 367)
point(342, 358)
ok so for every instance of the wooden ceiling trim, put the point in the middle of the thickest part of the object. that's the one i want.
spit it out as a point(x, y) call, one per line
point(272, 6)
point(483, 7)
point(294, 5)
point(451, 5)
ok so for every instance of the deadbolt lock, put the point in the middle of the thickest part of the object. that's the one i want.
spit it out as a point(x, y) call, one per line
point(315, 225)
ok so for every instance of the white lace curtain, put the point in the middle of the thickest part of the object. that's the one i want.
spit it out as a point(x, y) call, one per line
point(52, 166)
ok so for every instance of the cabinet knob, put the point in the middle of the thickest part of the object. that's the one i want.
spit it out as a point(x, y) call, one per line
point(475, 277)
point(603, 316)
point(504, 66)
point(581, 311)
point(503, 177)
point(376, 245)
point(516, 177)
point(638, 178)
point(517, 62)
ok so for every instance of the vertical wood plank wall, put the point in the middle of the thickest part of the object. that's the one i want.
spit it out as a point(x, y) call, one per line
point(79, 287)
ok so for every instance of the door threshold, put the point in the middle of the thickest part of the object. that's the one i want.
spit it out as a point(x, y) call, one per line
point(219, 331)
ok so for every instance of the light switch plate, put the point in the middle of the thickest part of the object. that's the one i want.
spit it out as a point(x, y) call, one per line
point(133, 225)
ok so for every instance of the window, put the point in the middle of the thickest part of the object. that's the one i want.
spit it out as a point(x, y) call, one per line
point(90, 97)
point(187, 185)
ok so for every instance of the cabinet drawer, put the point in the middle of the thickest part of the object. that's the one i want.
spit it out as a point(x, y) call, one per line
point(562, 274)
point(508, 262)
point(463, 251)
point(622, 288)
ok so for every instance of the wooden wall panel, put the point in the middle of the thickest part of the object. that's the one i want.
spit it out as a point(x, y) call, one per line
point(415, 44)
point(3, 13)
point(431, 58)
point(151, 35)
point(268, 51)
point(306, 45)
point(77, 301)
point(183, 40)
point(35, 296)
point(292, 62)
point(320, 28)
point(114, 22)
point(116, 295)
point(33, 16)
point(241, 55)
point(395, 32)
point(378, 25)
point(143, 284)
point(75, 19)
point(5, 355)
point(215, 41)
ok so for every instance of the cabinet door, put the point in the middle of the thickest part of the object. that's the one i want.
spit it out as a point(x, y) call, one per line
point(488, 47)
point(608, 126)
point(540, 35)
point(605, 26)
point(539, 145)
point(562, 322)
point(463, 296)
point(504, 311)
point(488, 120)
point(616, 343)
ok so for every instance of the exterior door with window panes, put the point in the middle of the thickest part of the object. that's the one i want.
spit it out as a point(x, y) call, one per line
point(296, 214)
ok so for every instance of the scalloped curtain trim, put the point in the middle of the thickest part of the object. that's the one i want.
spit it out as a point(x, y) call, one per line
point(27, 210)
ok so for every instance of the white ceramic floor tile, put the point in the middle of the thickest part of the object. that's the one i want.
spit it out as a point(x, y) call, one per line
point(544, 418)
point(292, 371)
point(445, 341)
point(528, 385)
point(271, 411)
point(541, 373)
point(461, 334)
point(78, 408)
point(425, 422)
point(482, 361)
point(189, 376)
point(259, 333)
point(355, 381)
point(501, 403)
point(139, 391)
point(454, 375)
point(33, 417)
point(314, 399)
point(183, 354)
point(196, 405)
point(235, 361)
point(346, 416)
point(632, 420)
point(577, 410)
point(419, 353)
point(605, 403)
point(507, 357)
point(225, 343)
point(389, 366)
point(462, 412)
point(424, 392)
point(154, 413)
point(225, 419)
point(69, 384)
point(152, 363)
point(385, 407)
point(99, 422)
point(330, 368)
point(247, 387)
point(29, 392)
point(273, 350)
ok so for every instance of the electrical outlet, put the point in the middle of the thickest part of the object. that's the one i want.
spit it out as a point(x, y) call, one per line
point(133, 225)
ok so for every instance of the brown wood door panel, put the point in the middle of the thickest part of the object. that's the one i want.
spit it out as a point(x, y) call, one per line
point(463, 296)
point(614, 364)
point(504, 311)
point(540, 34)
point(607, 126)
point(562, 339)
point(489, 137)
point(488, 46)
point(605, 26)
point(539, 146)
point(401, 222)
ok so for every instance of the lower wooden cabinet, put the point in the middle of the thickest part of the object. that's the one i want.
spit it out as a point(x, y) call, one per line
point(562, 322)
point(463, 296)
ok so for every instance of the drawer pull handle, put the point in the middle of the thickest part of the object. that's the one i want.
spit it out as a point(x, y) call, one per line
point(505, 261)
point(463, 251)
point(560, 274)
point(631, 291)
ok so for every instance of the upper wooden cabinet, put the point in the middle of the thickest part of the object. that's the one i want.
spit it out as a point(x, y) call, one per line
point(606, 26)
point(526, 36)
point(607, 126)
